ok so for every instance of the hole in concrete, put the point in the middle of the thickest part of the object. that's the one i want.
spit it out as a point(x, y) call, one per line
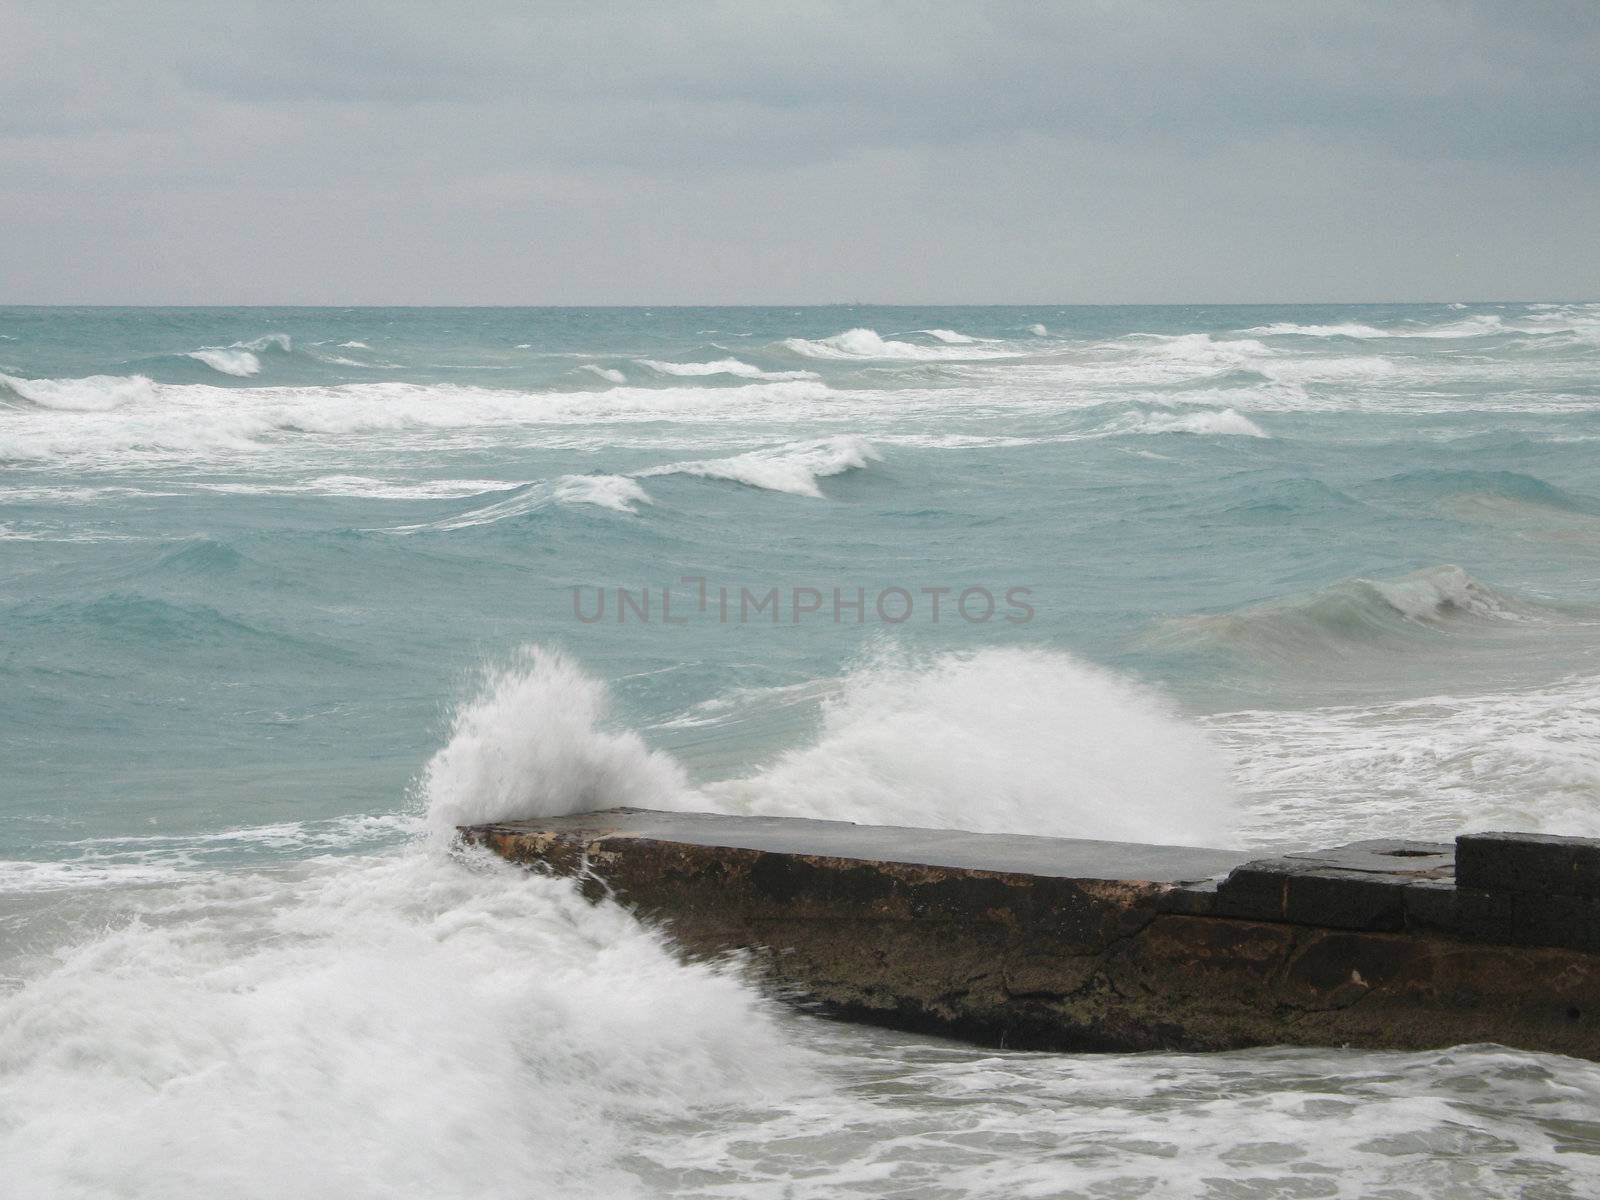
point(1573, 1014)
point(1409, 853)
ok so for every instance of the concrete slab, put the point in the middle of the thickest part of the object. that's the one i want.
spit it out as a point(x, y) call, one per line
point(1087, 945)
point(1016, 854)
point(1537, 863)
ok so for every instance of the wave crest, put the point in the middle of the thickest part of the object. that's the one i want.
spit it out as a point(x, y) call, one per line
point(1215, 422)
point(1351, 614)
point(93, 393)
point(1011, 740)
point(240, 359)
point(868, 344)
point(618, 493)
point(794, 468)
point(722, 366)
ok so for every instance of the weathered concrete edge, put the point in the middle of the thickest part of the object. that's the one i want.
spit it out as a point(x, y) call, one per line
point(1005, 958)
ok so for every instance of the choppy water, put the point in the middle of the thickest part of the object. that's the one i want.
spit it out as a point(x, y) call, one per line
point(287, 592)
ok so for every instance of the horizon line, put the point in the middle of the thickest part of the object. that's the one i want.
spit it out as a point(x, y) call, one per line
point(841, 304)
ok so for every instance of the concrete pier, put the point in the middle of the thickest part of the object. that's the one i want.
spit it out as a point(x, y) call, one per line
point(1086, 945)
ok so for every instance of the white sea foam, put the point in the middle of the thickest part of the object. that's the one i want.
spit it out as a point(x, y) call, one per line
point(1201, 350)
point(1429, 768)
point(1213, 422)
point(610, 492)
point(1353, 370)
point(400, 1025)
point(354, 346)
point(22, 877)
point(945, 1122)
point(794, 468)
point(1348, 329)
point(534, 743)
point(93, 863)
point(1038, 330)
point(609, 374)
point(98, 417)
point(869, 344)
point(95, 393)
point(11, 531)
point(338, 360)
point(240, 359)
point(1002, 740)
point(1478, 325)
point(617, 492)
point(230, 362)
point(1013, 740)
point(722, 366)
point(364, 487)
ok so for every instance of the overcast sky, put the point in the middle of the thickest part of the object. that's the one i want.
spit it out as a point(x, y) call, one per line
point(260, 152)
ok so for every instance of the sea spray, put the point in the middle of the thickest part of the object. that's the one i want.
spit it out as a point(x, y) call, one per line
point(1014, 740)
point(406, 1024)
point(532, 744)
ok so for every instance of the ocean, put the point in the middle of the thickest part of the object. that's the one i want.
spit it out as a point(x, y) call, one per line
point(285, 594)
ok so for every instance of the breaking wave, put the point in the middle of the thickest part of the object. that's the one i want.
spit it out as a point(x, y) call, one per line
point(869, 344)
point(240, 358)
point(400, 1024)
point(1508, 485)
point(1347, 329)
point(532, 744)
point(230, 362)
point(1015, 740)
point(619, 493)
point(1354, 614)
point(794, 468)
point(95, 393)
point(107, 415)
point(1215, 422)
point(1479, 325)
point(722, 366)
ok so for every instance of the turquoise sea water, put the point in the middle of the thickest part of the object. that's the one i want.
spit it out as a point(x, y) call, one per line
point(283, 589)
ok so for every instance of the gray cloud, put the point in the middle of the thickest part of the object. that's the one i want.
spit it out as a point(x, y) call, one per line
point(595, 153)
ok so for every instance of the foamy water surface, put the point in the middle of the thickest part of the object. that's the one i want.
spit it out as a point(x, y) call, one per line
point(289, 593)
